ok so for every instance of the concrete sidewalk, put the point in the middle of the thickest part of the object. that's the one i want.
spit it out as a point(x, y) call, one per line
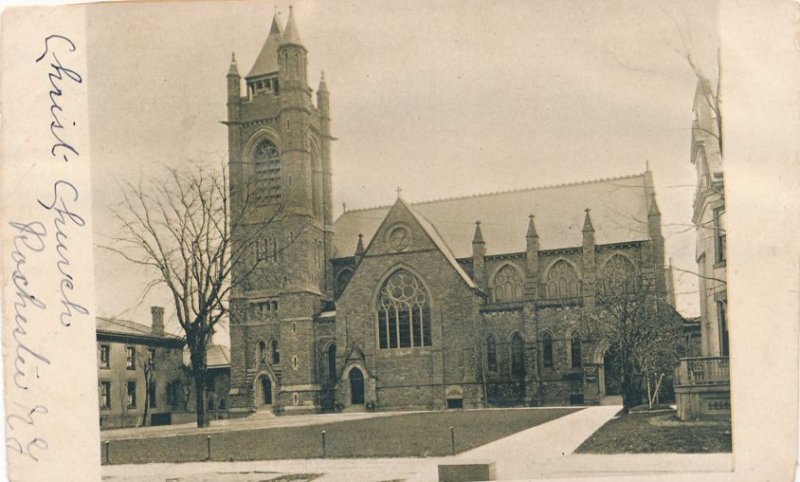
point(540, 452)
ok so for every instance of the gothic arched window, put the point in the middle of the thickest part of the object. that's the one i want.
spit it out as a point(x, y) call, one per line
point(575, 350)
point(491, 353)
point(619, 276)
point(517, 356)
point(274, 352)
point(404, 315)
point(507, 285)
point(547, 350)
point(262, 352)
point(332, 363)
point(562, 281)
point(267, 160)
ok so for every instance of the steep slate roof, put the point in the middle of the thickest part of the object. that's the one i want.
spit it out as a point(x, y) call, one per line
point(431, 231)
point(619, 208)
point(267, 60)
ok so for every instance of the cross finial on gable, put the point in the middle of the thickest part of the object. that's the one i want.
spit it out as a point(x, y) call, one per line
point(398, 190)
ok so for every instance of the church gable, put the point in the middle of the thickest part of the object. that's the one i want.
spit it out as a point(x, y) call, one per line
point(405, 231)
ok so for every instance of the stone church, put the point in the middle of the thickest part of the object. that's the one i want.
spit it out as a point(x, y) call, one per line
point(456, 303)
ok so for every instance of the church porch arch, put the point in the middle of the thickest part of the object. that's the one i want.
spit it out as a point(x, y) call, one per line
point(265, 390)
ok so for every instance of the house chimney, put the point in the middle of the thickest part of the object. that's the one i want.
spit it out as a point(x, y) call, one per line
point(158, 320)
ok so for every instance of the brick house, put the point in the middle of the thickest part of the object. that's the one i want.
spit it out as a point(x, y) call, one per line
point(126, 350)
point(464, 302)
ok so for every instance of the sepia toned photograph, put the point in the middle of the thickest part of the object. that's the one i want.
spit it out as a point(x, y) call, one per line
point(402, 241)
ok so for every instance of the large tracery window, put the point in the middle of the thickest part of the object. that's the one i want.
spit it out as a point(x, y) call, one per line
point(562, 281)
point(507, 285)
point(404, 315)
point(619, 276)
point(267, 159)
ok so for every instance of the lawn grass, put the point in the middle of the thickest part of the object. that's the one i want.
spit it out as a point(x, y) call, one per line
point(634, 433)
point(406, 435)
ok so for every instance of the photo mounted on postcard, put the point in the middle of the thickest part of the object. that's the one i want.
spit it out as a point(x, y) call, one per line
point(395, 241)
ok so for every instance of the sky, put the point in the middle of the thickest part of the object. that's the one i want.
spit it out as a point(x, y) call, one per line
point(440, 98)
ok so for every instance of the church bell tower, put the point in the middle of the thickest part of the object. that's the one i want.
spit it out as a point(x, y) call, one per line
point(281, 220)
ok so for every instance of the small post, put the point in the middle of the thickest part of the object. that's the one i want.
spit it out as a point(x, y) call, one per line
point(208, 446)
point(323, 444)
point(107, 443)
point(453, 440)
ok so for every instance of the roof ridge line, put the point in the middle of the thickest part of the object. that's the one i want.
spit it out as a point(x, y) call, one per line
point(507, 191)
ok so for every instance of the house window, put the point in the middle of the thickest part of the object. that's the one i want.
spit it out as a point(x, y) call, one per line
point(719, 235)
point(151, 394)
point(151, 357)
point(507, 285)
point(575, 351)
point(104, 389)
point(275, 354)
point(619, 276)
point(104, 355)
point(491, 353)
point(547, 350)
point(175, 393)
point(130, 357)
point(404, 318)
point(131, 394)
point(562, 281)
point(722, 317)
point(517, 356)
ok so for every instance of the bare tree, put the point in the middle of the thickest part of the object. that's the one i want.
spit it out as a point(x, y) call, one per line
point(642, 329)
point(182, 228)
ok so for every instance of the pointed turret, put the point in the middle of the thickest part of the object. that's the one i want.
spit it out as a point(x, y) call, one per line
point(589, 262)
point(653, 211)
point(291, 35)
point(234, 69)
point(478, 237)
point(478, 252)
point(531, 228)
point(234, 108)
point(323, 98)
point(234, 82)
point(323, 87)
point(532, 259)
point(360, 248)
point(587, 222)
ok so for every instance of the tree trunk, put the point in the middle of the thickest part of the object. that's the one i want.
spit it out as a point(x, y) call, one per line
point(197, 347)
point(200, 406)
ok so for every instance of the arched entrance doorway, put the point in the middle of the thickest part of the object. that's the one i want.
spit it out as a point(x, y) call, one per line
point(356, 387)
point(266, 391)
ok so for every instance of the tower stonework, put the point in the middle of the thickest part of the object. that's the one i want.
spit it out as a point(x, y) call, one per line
point(281, 217)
